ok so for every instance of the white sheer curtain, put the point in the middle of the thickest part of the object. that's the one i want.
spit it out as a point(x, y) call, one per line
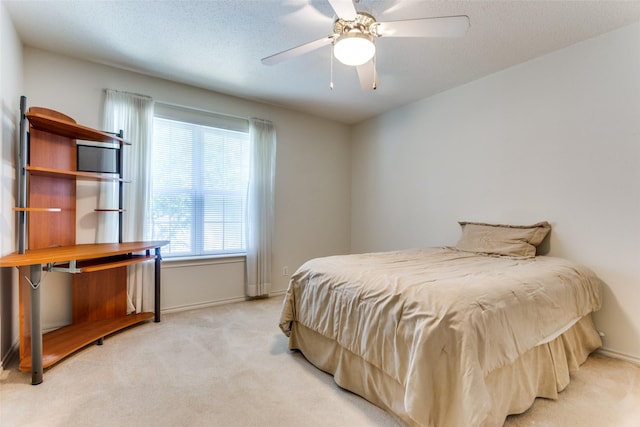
point(133, 114)
point(262, 137)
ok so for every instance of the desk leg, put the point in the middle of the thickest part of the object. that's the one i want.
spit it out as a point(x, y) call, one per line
point(35, 275)
point(157, 285)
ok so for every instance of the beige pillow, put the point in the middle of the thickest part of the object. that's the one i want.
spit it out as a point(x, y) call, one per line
point(500, 239)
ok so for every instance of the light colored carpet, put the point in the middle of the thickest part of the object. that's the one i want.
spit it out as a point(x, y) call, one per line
point(229, 366)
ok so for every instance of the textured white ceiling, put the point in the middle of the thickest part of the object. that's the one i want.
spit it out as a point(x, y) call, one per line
point(218, 44)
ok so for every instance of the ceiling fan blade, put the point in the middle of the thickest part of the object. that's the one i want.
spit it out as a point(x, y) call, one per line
point(368, 75)
point(447, 26)
point(297, 51)
point(344, 9)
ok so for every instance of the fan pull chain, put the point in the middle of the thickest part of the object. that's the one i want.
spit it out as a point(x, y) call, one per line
point(375, 72)
point(331, 61)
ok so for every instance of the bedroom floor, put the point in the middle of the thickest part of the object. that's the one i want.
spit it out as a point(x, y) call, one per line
point(229, 366)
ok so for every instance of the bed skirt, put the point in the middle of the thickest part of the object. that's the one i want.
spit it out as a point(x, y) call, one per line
point(542, 371)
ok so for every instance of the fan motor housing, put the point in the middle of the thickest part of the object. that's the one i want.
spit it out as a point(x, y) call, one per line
point(363, 22)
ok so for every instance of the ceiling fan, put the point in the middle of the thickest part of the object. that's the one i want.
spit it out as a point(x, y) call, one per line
point(354, 34)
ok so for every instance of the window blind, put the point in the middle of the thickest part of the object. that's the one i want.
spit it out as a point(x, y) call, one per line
point(198, 187)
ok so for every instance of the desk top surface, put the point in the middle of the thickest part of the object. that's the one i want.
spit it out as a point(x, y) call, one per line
point(76, 252)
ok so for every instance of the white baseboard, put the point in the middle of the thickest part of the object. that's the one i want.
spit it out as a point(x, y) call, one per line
point(6, 358)
point(618, 355)
point(188, 307)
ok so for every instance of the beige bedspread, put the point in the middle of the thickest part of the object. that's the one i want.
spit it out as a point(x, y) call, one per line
point(438, 320)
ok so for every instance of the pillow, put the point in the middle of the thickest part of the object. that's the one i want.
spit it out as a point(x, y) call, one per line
point(499, 239)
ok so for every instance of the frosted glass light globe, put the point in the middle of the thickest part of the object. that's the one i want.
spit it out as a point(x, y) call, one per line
point(354, 48)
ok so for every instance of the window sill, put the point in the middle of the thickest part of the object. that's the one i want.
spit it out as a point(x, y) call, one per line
point(203, 260)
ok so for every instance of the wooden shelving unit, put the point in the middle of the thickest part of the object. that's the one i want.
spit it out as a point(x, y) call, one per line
point(47, 176)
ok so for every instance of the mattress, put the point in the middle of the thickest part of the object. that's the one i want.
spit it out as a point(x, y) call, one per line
point(421, 332)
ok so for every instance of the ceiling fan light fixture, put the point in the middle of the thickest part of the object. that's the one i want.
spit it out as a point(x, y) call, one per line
point(354, 48)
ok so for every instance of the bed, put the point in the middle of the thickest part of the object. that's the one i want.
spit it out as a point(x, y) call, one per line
point(447, 336)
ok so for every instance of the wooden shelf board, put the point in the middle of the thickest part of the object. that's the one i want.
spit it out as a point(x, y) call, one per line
point(115, 264)
point(63, 342)
point(99, 264)
point(70, 130)
point(38, 170)
point(37, 209)
point(77, 252)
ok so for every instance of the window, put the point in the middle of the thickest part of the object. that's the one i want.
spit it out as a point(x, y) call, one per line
point(199, 175)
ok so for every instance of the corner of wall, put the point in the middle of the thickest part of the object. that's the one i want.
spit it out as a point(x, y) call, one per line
point(11, 86)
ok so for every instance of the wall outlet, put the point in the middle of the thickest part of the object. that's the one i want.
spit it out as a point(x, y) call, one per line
point(285, 271)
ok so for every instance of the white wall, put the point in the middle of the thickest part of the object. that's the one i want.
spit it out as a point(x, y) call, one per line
point(312, 192)
point(556, 138)
point(10, 87)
